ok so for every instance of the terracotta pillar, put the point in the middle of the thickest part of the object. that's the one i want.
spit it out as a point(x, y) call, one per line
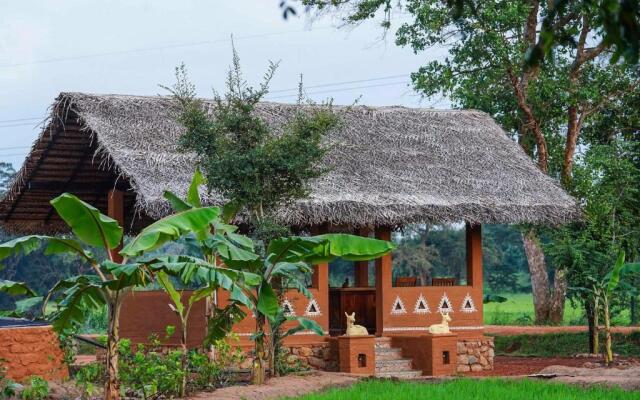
point(383, 282)
point(361, 268)
point(115, 209)
point(320, 281)
point(474, 256)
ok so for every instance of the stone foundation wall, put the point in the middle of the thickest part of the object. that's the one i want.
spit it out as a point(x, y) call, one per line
point(322, 356)
point(28, 351)
point(475, 355)
point(317, 356)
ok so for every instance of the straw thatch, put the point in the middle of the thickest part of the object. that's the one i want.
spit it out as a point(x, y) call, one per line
point(388, 166)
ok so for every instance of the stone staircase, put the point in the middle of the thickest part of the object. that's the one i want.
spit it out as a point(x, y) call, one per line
point(389, 361)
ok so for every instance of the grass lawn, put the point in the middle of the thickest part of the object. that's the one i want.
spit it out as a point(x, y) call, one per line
point(518, 310)
point(470, 389)
point(562, 344)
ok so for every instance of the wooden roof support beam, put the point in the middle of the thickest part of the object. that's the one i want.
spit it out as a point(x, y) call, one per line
point(73, 175)
point(33, 171)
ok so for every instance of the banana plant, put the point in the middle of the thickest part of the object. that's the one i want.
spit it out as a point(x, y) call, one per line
point(284, 260)
point(602, 292)
point(113, 277)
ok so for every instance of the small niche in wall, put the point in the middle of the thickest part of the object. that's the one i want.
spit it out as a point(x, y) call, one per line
point(445, 358)
point(362, 360)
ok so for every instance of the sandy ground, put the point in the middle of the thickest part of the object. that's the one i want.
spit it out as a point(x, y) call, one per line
point(282, 387)
point(509, 330)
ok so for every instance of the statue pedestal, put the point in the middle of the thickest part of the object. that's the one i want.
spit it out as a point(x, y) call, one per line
point(441, 354)
point(357, 354)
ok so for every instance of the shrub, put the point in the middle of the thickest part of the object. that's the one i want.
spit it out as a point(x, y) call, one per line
point(147, 372)
point(7, 386)
point(216, 373)
point(38, 389)
point(90, 378)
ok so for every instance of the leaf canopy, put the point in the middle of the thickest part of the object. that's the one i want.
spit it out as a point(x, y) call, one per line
point(15, 288)
point(170, 228)
point(87, 223)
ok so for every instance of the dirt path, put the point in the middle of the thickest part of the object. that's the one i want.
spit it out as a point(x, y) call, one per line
point(510, 330)
point(281, 387)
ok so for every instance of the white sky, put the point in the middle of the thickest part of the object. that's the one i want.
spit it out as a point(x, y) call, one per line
point(129, 47)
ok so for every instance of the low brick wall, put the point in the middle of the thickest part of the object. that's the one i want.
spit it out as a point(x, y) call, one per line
point(475, 355)
point(27, 351)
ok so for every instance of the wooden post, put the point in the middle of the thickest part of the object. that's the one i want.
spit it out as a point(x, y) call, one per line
point(383, 282)
point(115, 209)
point(361, 268)
point(474, 256)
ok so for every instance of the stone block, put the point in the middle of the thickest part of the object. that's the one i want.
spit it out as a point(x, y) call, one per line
point(305, 351)
point(463, 368)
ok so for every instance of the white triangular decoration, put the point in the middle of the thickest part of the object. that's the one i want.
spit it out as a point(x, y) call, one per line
point(313, 309)
point(288, 309)
point(422, 307)
point(468, 306)
point(398, 307)
point(445, 304)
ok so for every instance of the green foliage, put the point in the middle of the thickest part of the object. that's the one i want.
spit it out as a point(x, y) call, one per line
point(469, 388)
point(7, 386)
point(152, 371)
point(170, 228)
point(89, 379)
point(6, 176)
point(38, 389)
point(561, 344)
point(15, 288)
point(212, 374)
point(243, 158)
point(147, 372)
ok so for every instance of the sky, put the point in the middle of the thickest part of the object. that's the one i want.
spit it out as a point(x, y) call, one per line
point(131, 47)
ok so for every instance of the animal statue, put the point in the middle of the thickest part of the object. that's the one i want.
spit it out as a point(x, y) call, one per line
point(442, 327)
point(352, 328)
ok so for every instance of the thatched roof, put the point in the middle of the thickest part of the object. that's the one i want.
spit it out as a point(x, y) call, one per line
point(389, 166)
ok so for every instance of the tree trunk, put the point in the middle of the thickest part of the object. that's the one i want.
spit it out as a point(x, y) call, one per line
point(608, 357)
point(596, 330)
point(258, 372)
point(588, 308)
point(112, 389)
point(558, 296)
point(539, 276)
point(548, 301)
point(634, 310)
point(184, 358)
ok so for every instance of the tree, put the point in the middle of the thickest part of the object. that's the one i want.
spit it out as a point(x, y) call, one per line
point(618, 20)
point(243, 158)
point(6, 176)
point(607, 183)
point(545, 109)
point(256, 168)
point(114, 277)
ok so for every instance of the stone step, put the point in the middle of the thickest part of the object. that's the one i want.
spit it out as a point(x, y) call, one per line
point(400, 374)
point(403, 364)
point(388, 353)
